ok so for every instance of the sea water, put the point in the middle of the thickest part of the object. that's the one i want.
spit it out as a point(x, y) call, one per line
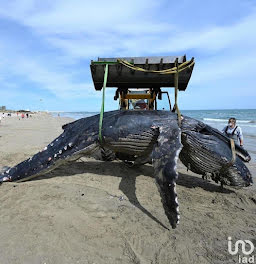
point(246, 119)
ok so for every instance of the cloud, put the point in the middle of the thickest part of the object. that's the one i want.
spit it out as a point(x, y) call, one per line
point(72, 17)
point(49, 44)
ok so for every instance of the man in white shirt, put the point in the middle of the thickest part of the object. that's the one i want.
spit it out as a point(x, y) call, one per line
point(233, 131)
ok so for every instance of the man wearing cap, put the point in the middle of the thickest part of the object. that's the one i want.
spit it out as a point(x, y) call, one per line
point(233, 131)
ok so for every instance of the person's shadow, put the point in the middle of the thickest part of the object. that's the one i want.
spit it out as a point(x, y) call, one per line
point(128, 180)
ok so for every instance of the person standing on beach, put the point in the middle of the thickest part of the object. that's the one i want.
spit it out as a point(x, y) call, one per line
point(233, 131)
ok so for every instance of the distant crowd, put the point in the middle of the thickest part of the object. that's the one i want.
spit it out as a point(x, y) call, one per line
point(20, 115)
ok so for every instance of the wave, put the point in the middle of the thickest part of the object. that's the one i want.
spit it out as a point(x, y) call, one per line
point(249, 135)
point(215, 119)
point(226, 120)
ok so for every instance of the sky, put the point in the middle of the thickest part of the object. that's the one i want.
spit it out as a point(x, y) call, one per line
point(46, 48)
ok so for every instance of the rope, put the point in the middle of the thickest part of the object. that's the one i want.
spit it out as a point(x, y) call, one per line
point(103, 102)
point(173, 70)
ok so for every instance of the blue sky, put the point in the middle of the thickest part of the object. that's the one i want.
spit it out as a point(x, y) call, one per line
point(46, 48)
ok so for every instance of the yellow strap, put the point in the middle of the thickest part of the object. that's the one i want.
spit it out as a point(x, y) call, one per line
point(233, 150)
point(176, 79)
point(173, 70)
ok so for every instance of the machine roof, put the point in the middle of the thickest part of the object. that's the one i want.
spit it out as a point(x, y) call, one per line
point(121, 76)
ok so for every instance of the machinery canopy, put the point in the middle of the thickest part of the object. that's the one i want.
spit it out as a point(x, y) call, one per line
point(141, 72)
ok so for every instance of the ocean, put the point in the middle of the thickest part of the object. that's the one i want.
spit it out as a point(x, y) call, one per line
point(246, 119)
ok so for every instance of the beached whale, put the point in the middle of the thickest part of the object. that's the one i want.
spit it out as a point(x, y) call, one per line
point(139, 137)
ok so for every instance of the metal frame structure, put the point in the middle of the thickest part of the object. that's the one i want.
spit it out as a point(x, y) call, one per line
point(150, 73)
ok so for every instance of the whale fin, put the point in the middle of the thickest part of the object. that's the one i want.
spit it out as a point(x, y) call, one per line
point(164, 158)
point(67, 147)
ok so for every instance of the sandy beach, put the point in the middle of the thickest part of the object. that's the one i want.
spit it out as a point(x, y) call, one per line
point(104, 212)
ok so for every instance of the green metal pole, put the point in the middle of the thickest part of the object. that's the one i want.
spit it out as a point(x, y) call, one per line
point(103, 101)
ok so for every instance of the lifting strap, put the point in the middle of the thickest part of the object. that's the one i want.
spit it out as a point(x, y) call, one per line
point(233, 150)
point(176, 92)
point(103, 101)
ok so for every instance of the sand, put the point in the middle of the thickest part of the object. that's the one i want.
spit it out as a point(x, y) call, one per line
point(103, 212)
